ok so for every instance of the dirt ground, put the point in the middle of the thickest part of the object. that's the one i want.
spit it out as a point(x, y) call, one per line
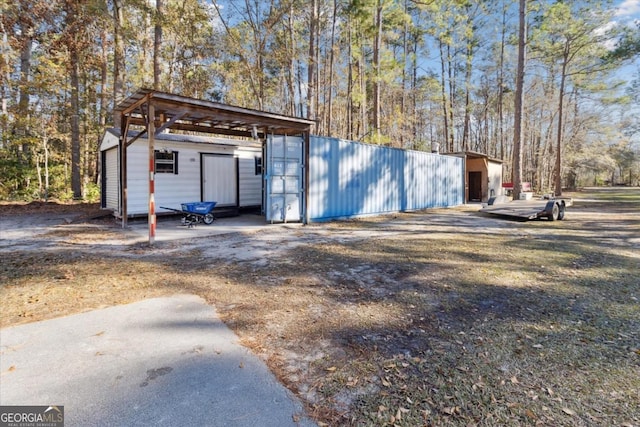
point(439, 317)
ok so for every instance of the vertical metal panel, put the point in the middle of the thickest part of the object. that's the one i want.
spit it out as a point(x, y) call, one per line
point(250, 182)
point(110, 172)
point(284, 178)
point(349, 179)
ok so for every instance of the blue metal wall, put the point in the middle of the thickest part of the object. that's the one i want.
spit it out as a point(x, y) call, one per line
point(349, 179)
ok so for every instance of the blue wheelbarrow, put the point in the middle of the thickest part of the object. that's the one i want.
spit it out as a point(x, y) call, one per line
point(195, 212)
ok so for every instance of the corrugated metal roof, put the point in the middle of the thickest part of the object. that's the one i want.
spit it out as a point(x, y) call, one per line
point(197, 139)
point(473, 155)
point(191, 114)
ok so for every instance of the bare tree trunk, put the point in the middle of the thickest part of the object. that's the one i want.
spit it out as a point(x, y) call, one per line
point(25, 72)
point(118, 53)
point(349, 84)
point(501, 83)
point(364, 122)
point(414, 96)
point(557, 173)
point(467, 100)
point(312, 67)
point(331, 59)
point(292, 64)
point(518, 102)
point(46, 167)
point(445, 112)
point(316, 94)
point(403, 99)
point(157, 44)
point(5, 88)
point(76, 183)
point(104, 75)
point(102, 99)
point(23, 102)
point(452, 95)
point(86, 164)
point(39, 175)
point(377, 46)
point(300, 94)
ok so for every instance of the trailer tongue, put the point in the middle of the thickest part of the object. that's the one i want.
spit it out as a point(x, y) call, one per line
point(552, 208)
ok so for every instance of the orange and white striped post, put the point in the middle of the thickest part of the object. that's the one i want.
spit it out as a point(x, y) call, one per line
point(152, 171)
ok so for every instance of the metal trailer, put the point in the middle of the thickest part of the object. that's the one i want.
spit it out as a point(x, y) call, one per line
point(552, 208)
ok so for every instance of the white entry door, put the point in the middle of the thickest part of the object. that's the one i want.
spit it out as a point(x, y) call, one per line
point(284, 178)
point(220, 179)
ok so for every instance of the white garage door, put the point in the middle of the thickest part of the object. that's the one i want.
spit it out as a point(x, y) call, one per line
point(110, 171)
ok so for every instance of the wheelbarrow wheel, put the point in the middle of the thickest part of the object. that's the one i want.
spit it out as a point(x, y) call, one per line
point(189, 220)
point(208, 219)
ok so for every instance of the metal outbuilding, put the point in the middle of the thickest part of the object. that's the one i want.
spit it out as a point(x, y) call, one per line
point(148, 113)
point(302, 178)
point(348, 179)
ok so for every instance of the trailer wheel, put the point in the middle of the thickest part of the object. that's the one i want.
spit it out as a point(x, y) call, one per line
point(561, 211)
point(555, 213)
point(209, 218)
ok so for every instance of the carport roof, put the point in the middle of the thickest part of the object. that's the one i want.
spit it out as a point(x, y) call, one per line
point(196, 115)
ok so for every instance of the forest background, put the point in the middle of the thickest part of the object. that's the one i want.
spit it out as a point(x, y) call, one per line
point(403, 73)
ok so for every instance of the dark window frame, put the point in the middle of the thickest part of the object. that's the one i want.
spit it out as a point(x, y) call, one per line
point(166, 162)
point(258, 165)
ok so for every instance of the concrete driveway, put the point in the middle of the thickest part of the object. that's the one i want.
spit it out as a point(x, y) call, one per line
point(170, 228)
point(164, 361)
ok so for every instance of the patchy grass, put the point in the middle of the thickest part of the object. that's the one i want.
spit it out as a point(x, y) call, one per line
point(443, 317)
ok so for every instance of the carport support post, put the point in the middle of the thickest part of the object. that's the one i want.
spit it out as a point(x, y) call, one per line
point(122, 199)
point(151, 131)
point(305, 185)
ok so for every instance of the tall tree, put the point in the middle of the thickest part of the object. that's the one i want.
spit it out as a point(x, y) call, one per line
point(157, 43)
point(332, 52)
point(119, 68)
point(571, 36)
point(377, 77)
point(73, 40)
point(247, 43)
point(312, 64)
point(471, 42)
point(518, 101)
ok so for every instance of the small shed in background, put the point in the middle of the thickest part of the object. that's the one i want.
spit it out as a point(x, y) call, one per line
point(483, 176)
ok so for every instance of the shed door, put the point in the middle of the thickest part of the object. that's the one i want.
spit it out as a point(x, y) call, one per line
point(220, 179)
point(475, 186)
point(110, 179)
point(283, 177)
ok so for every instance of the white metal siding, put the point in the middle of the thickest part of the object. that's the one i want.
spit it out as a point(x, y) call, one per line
point(110, 170)
point(250, 183)
point(109, 140)
point(138, 179)
point(495, 178)
point(171, 190)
